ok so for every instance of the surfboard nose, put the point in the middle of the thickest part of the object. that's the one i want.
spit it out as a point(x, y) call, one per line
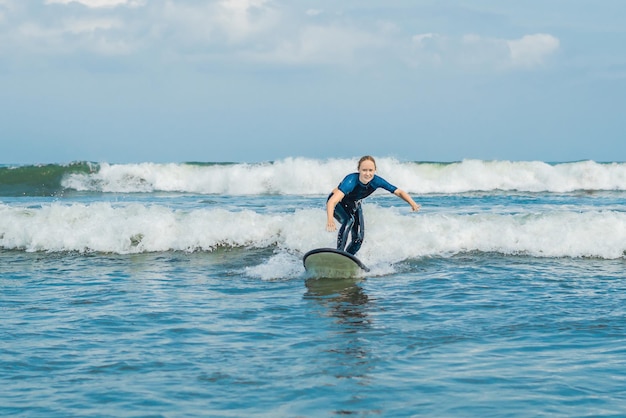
point(329, 262)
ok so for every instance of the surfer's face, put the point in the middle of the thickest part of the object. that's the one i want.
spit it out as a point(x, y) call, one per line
point(366, 171)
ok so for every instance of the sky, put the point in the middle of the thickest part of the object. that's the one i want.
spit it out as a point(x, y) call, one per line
point(123, 81)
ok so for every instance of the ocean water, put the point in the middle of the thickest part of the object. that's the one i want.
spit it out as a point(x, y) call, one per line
point(177, 290)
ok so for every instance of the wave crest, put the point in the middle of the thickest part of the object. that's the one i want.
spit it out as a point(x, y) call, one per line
point(299, 176)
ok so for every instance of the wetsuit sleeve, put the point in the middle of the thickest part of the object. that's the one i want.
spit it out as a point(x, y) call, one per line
point(348, 183)
point(383, 184)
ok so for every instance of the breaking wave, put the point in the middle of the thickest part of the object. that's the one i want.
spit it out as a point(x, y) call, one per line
point(300, 176)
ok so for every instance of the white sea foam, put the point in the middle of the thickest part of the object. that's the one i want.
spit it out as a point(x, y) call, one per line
point(392, 235)
point(300, 176)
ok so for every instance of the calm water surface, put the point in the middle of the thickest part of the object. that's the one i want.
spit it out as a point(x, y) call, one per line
point(178, 334)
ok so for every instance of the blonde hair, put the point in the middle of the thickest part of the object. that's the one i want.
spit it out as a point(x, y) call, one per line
point(366, 158)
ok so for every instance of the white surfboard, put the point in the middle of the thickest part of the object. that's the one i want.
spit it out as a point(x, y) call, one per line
point(332, 263)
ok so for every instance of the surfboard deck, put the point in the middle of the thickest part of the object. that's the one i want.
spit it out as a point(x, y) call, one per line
point(332, 263)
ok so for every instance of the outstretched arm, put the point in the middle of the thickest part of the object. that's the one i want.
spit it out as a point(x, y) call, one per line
point(405, 196)
point(330, 209)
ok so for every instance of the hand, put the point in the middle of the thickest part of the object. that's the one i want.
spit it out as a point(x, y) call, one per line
point(330, 226)
point(416, 207)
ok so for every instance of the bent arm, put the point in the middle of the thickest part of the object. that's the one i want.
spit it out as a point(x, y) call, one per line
point(330, 208)
point(405, 196)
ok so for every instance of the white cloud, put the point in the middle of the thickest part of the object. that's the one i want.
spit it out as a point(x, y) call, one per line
point(99, 3)
point(531, 50)
point(243, 18)
point(203, 24)
point(326, 45)
point(77, 26)
point(244, 31)
point(71, 36)
point(218, 29)
point(478, 53)
point(260, 31)
point(425, 50)
point(420, 39)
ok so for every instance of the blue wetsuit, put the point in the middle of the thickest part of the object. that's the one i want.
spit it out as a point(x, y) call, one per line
point(348, 211)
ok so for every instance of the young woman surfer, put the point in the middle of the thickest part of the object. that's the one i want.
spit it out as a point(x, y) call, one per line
point(344, 203)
